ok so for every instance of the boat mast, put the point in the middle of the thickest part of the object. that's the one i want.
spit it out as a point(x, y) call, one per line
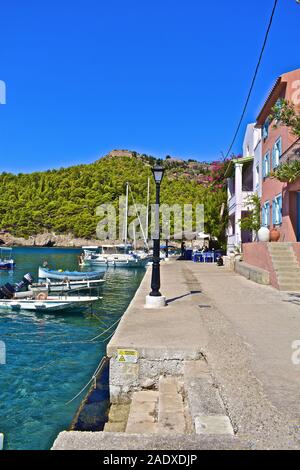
point(126, 216)
point(134, 238)
point(147, 217)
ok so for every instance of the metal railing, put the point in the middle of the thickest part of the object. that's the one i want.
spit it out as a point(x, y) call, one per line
point(292, 153)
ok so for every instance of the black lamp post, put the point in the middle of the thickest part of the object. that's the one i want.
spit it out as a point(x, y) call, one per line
point(158, 173)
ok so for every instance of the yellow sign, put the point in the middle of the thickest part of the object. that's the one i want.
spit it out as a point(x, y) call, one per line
point(127, 355)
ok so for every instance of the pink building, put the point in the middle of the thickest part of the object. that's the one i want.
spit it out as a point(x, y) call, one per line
point(280, 201)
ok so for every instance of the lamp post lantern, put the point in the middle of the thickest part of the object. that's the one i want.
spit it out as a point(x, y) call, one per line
point(158, 174)
point(155, 299)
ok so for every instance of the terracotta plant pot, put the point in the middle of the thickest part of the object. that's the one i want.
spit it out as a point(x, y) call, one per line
point(274, 235)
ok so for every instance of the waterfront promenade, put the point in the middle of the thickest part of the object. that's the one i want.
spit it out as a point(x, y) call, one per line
point(214, 368)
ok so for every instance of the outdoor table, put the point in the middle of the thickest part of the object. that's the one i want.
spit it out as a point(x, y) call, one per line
point(204, 257)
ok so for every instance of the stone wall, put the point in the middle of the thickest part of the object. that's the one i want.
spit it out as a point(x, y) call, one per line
point(257, 254)
point(128, 378)
point(253, 273)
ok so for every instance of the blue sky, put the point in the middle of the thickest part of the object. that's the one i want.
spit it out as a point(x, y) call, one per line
point(156, 76)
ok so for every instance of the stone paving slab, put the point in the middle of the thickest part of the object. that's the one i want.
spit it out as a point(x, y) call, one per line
point(213, 425)
point(68, 440)
point(203, 397)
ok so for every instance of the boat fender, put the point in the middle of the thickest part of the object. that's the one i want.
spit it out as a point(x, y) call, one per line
point(42, 296)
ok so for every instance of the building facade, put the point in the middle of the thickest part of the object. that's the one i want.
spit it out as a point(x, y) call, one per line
point(280, 201)
point(243, 180)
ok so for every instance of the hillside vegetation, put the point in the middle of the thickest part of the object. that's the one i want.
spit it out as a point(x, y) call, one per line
point(65, 200)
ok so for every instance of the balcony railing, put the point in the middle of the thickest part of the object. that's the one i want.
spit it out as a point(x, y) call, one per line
point(292, 153)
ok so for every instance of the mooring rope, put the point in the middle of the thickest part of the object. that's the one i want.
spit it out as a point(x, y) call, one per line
point(94, 376)
point(105, 331)
point(106, 339)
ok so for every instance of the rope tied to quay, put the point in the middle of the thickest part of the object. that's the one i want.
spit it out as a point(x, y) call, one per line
point(105, 331)
point(94, 377)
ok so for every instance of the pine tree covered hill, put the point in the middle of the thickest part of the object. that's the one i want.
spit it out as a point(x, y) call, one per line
point(65, 200)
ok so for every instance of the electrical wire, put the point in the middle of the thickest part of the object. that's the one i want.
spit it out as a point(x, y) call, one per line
point(254, 77)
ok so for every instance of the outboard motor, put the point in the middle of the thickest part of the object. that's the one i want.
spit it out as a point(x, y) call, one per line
point(7, 291)
point(26, 281)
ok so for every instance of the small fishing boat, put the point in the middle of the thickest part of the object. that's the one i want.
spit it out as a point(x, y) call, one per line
point(67, 286)
point(43, 303)
point(13, 297)
point(45, 273)
point(6, 261)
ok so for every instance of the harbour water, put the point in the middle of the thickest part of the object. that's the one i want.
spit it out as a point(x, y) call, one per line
point(49, 358)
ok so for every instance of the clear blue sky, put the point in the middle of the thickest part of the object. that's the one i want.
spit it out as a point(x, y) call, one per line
point(156, 76)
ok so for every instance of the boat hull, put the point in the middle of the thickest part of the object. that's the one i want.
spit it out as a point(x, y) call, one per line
point(69, 287)
point(54, 304)
point(70, 275)
point(107, 263)
point(7, 266)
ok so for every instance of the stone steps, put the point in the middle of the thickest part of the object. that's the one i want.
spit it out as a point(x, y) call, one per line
point(286, 267)
point(279, 247)
point(159, 411)
point(190, 404)
point(290, 287)
point(171, 418)
point(289, 257)
point(288, 277)
point(117, 418)
point(142, 417)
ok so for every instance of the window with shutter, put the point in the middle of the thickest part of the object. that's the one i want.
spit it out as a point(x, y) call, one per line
point(266, 214)
point(277, 210)
point(276, 153)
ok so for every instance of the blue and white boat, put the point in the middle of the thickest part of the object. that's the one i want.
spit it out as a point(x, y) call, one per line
point(6, 261)
point(45, 273)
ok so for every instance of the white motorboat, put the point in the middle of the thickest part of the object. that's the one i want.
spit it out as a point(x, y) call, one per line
point(118, 256)
point(44, 303)
point(67, 286)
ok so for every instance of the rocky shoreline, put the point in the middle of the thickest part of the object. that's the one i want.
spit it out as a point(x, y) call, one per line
point(46, 240)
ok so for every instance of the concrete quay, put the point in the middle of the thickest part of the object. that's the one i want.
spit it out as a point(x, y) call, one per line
point(163, 338)
point(213, 369)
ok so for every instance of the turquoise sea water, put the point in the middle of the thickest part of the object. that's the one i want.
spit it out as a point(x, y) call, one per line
point(49, 357)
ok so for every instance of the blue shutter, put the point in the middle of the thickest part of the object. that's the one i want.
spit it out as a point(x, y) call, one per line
point(266, 129)
point(274, 212)
point(263, 216)
point(273, 157)
point(280, 147)
point(280, 208)
point(268, 213)
point(267, 164)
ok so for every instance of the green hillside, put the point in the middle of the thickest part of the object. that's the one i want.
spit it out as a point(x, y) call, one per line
point(65, 200)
